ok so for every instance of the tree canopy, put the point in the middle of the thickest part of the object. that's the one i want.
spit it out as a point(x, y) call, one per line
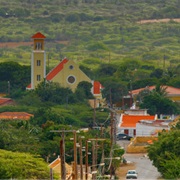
point(15, 165)
point(157, 103)
point(165, 154)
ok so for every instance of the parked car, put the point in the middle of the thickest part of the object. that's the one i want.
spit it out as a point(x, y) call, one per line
point(131, 174)
point(123, 137)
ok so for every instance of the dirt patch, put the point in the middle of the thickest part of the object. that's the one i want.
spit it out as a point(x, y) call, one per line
point(17, 44)
point(122, 170)
point(157, 21)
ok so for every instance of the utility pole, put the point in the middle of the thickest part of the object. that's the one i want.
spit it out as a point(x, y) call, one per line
point(131, 100)
point(102, 146)
point(94, 116)
point(8, 87)
point(62, 144)
point(112, 124)
point(93, 160)
point(75, 176)
point(51, 174)
point(93, 165)
point(62, 154)
point(87, 172)
point(81, 158)
point(62, 158)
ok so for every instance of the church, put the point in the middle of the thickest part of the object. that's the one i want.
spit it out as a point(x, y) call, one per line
point(67, 73)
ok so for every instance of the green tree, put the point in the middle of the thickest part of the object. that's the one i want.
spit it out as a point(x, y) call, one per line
point(157, 103)
point(85, 88)
point(157, 73)
point(17, 75)
point(53, 92)
point(106, 70)
point(114, 91)
point(165, 154)
point(15, 165)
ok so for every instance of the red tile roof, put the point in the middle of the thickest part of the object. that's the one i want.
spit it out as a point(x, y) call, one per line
point(38, 35)
point(15, 115)
point(5, 101)
point(56, 70)
point(29, 86)
point(169, 89)
point(97, 87)
point(131, 120)
point(55, 163)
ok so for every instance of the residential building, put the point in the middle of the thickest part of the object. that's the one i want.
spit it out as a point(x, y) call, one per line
point(6, 101)
point(55, 166)
point(172, 92)
point(15, 116)
point(152, 128)
point(128, 123)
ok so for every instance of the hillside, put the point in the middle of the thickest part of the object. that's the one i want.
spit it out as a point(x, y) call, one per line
point(96, 30)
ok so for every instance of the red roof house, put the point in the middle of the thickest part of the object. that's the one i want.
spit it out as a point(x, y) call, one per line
point(128, 123)
point(6, 101)
point(172, 92)
point(56, 167)
point(15, 116)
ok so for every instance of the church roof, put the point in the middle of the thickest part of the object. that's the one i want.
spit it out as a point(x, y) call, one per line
point(53, 72)
point(38, 35)
point(56, 70)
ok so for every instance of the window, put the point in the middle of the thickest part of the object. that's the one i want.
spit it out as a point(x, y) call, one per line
point(38, 77)
point(71, 79)
point(38, 45)
point(38, 62)
point(71, 67)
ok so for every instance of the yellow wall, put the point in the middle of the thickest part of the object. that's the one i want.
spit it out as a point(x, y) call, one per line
point(175, 98)
point(62, 76)
point(38, 70)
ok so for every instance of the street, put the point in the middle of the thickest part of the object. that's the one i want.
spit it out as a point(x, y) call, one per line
point(142, 164)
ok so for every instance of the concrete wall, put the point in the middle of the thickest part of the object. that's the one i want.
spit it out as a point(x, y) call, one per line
point(139, 144)
point(148, 130)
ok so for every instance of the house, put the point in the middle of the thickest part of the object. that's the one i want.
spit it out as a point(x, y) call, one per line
point(174, 122)
point(55, 166)
point(152, 128)
point(67, 73)
point(172, 92)
point(15, 116)
point(128, 123)
point(128, 119)
point(6, 101)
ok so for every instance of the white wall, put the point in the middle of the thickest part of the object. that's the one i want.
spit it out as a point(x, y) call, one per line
point(147, 130)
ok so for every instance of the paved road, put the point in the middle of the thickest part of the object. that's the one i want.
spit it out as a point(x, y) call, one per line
point(143, 165)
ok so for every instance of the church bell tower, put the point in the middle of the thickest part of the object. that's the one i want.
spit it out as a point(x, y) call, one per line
point(38, 60)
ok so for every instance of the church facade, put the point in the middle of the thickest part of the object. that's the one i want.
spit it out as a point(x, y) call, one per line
point(67, 73)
